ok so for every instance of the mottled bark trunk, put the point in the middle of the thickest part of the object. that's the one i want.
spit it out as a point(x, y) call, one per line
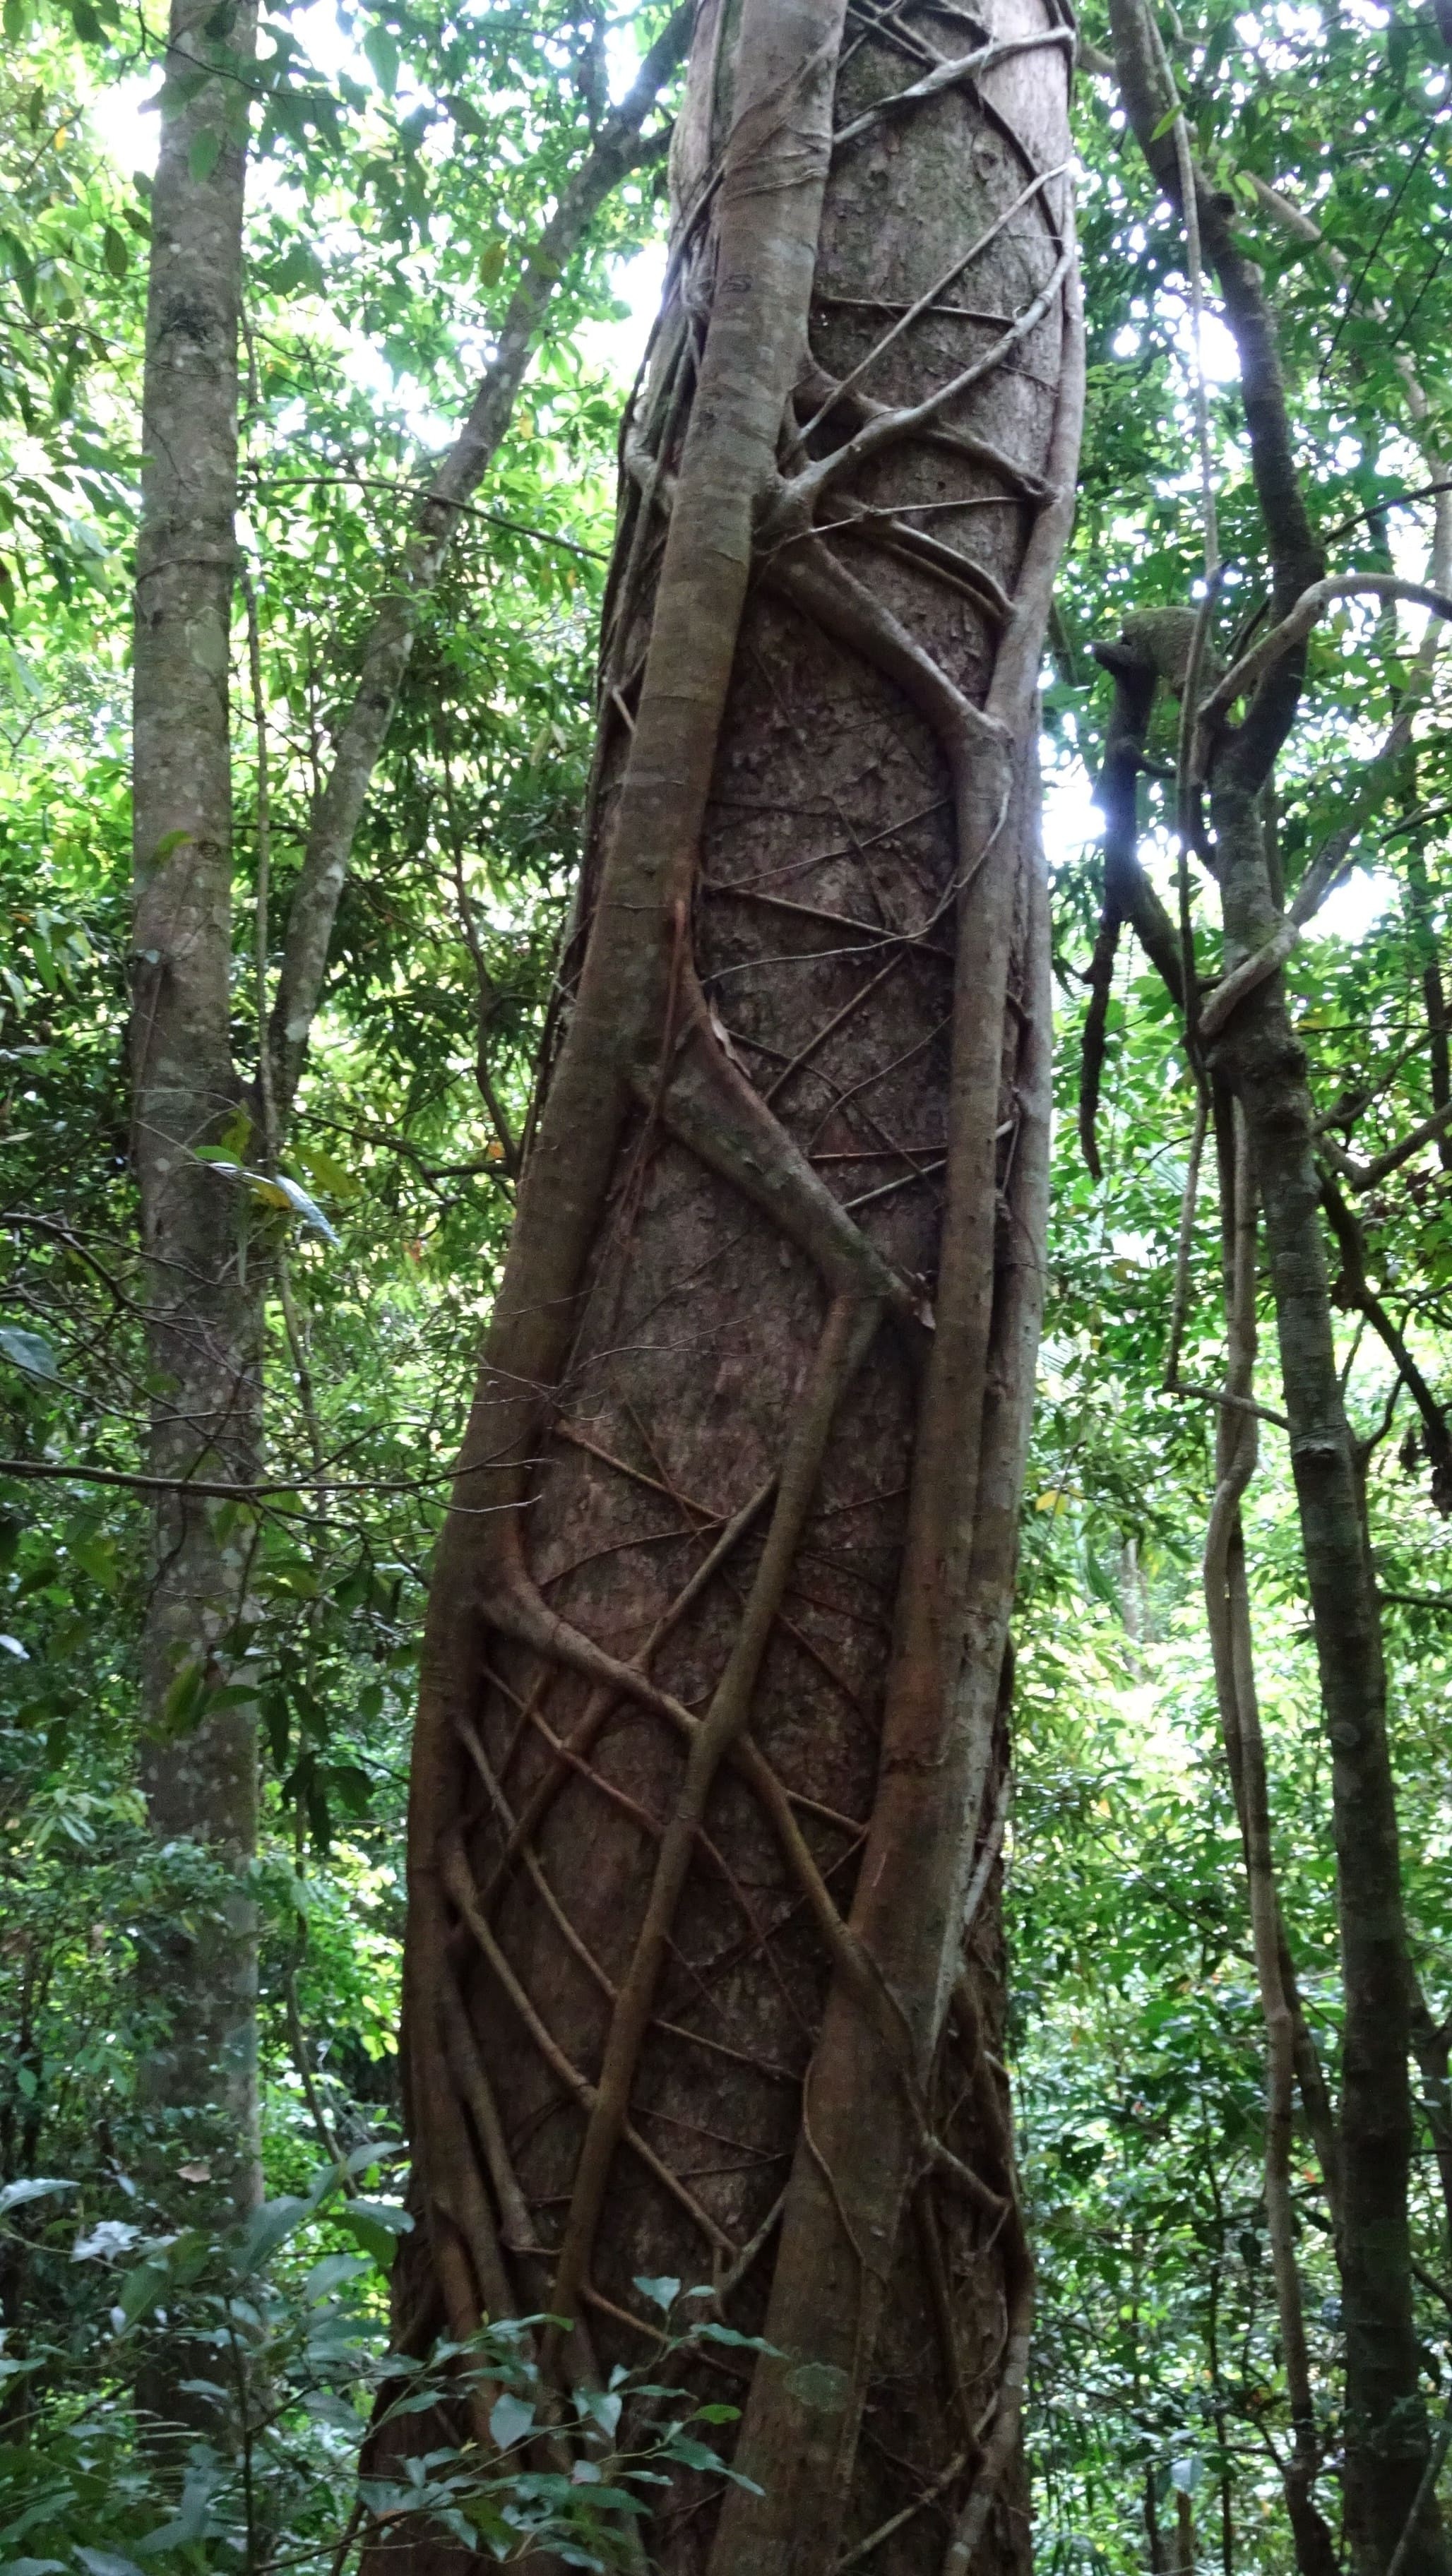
point(704, 1969)
point(1386, 2444)
point(199, 2080)
point(1228, 1617)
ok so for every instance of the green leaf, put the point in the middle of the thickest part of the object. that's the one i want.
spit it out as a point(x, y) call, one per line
point(97, 1556)
point(692, 2455)
point(661, 2290)
point(510, 2419)
point(602, 2406)
point(14, 2195)
point(325, 1171)
point(114, 251)
point(141, 2291)
point(28, 1351)
point(376, 2225)
point(331, 2274)
point(269, 2227)
point(1167, 122)
point(205, 154)
point(382, 53)
point(389, 2214)
point(709, 2332)
point(185, 1698)
point(375, 2151)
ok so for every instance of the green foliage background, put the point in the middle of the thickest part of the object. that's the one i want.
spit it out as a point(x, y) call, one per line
point(391, 203)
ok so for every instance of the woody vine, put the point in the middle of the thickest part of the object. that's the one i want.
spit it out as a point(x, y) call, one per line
point(734, 1878)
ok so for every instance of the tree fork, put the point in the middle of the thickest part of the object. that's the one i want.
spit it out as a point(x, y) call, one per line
point(703, 1956)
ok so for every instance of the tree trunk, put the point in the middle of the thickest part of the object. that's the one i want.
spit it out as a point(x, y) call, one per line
point(704, 1973)
point(1386, 2435)
point(199, 2082)
point(207, 1295)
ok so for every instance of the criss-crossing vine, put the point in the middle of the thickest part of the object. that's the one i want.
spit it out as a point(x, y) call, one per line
point(710, 1781)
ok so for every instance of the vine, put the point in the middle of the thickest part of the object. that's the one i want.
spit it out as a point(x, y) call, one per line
point(652, 1902)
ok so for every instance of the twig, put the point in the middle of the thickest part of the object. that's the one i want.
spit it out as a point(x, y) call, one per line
point(416, 492)
point(1294, 629)
point(238, 1492)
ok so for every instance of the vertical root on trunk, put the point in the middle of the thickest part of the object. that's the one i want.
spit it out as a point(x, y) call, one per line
point(796, 1724)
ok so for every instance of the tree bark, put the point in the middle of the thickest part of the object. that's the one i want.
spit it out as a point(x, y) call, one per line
point(1227, 1601)
point(1386, 2423)
point(200, 1765)
point(207, 1286)
point(703, 1964)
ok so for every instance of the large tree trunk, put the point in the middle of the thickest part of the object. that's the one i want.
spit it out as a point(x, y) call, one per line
point(704, 1971)
point(199, 2083)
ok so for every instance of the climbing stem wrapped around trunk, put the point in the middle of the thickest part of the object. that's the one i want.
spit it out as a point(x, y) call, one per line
point(703, 1966)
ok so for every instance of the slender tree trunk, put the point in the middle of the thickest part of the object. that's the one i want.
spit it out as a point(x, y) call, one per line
point(206, 1295)
point(199, 2086)
point(1386, 2421)
point(1291, 2057)
point(703, 1971)
point(1227, 1599)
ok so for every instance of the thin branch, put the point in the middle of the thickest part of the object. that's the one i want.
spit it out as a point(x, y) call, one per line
point(239, 1492)
point(1365, 1176)
point(388, 647)
point(1294, 628)
point(416, 493)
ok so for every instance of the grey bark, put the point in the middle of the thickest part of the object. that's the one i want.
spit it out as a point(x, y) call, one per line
point(199, 2083)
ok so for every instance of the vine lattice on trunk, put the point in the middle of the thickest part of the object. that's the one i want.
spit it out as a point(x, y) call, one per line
point(703, 1968)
